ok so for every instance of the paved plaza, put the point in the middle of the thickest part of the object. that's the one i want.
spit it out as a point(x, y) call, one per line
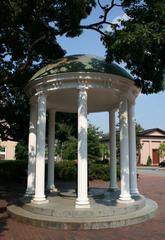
point(151, 186)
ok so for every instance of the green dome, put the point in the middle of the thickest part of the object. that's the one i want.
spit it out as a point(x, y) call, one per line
point(81, 63)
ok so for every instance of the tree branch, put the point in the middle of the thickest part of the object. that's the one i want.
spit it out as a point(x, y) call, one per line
point(101, 6)
point(29, 57)
point(93, 28)
point(97, 24)
point(106, 9)
point(37, 41)
point(21, 68)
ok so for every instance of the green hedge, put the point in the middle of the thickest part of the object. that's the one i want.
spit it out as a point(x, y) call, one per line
point(100, 171)
point(66, 170)
point(16, 171)
point(13, 171)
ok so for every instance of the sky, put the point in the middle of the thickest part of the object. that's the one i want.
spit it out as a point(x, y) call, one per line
point(149, 108)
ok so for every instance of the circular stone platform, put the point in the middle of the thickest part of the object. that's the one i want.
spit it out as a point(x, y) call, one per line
point(105, 212)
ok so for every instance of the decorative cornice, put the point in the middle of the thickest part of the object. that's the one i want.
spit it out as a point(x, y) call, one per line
point(87, 80)
point(116, 87)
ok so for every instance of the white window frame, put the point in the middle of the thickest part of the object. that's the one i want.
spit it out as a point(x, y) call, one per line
point(3, 152)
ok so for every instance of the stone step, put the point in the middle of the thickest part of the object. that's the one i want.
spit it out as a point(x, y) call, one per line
point(99, 208)
point(61, 222)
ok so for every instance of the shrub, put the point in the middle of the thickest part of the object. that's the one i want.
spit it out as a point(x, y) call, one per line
point(101, 171)
point(70, 149)
point(149, 161)
point(13, 171)
point(16, 171)
point(21, 151)
point(98, 171)
point(66, 170)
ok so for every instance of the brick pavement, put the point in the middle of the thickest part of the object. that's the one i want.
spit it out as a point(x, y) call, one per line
point(154, 229)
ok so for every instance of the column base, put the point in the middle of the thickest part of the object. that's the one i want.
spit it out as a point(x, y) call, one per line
point(113, 189)
point(125, 199)
point(52, 189)
point(134, 192)
point(39, 200)
point(29, 193)
point(82, 203)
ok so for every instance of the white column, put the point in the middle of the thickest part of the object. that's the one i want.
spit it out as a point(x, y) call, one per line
point(82, 200)
point(132, 150)
point(39, 196)
point(125, 196)
point(112, 131)
point(51, 142)
point(32, 150)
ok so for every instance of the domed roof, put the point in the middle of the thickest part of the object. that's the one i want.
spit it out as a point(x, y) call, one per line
point(81, 63)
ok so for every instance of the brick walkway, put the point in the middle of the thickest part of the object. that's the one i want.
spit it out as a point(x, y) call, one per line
point(150, 186)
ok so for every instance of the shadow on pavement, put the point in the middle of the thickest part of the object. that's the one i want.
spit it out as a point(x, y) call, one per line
point(9, 193)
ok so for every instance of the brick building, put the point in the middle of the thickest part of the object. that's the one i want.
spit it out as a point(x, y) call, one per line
point(150, 141)
point(7, 150)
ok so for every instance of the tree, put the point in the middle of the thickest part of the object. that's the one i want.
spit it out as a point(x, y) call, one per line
point(66, 126)
point(139, 145)
point(138, 40)
point(139, 129)
point(94, 151)
point(104, 151)
point(149, 161)
point(21, 151)
point(28, 31)
point(162, 150)
point(70, 149)
point(28, 41)
point(140, 43)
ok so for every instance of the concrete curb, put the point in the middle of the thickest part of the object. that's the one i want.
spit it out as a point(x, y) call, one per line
point(151, 168)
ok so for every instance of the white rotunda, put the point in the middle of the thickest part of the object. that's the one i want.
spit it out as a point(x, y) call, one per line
point(81, 84)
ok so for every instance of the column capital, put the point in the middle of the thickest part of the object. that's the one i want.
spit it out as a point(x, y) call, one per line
point(52, 110)
point(132, 101)
point(41, 94)
point(83, 84)
point(125, 98)
point(82, 89)
point(113, 110)
point(32, 102)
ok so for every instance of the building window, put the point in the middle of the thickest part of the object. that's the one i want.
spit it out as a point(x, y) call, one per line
point(2, 153)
